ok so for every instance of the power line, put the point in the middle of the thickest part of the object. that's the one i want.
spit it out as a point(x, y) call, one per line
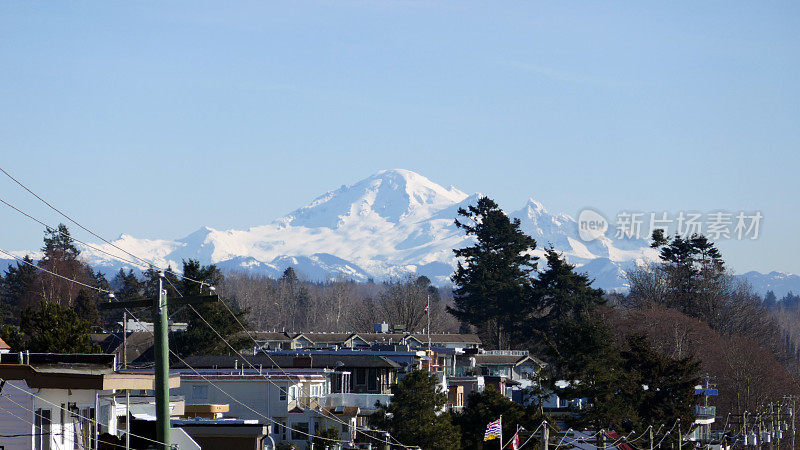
point(320, 411)
point(56, 230)
point(97, 422)
point(234, 398)
point(90, 231)
point(109, 243)
point(175, 354)
point(55, 274)
point(28, 421)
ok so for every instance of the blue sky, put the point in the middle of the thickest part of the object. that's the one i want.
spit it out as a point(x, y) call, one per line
point(155, 118)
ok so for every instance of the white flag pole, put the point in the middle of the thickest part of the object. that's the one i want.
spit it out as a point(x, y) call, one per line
point(428, 313)
point(501, 432)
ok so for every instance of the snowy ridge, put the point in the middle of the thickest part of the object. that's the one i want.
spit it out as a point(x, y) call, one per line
point(390, 224)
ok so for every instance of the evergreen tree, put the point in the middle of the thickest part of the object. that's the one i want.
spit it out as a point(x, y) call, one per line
point(199, 338)
point(790, 301)
point(670, 383)
point(60, 256)
point(53, 328)
point(587, 358)
point(559, 293)
point(487, 406)
point(86, 308)
point(694, 270)
point(492, 278)
point(58, 245)
point(290, 277)
point(770, 300)
point(16, 285)
point(12, 336)
point(414, 417)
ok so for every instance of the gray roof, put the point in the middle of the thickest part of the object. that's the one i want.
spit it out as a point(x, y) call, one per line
point(448, 338)
point(287, 361)
point(319, 338)
point(270, 336)
point(139, 345)
point(483, 359)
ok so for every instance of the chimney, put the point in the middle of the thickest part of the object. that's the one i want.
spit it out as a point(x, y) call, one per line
point(302, 362)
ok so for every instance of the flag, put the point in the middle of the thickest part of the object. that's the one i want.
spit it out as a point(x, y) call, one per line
point(515, 442)
point(493, 430)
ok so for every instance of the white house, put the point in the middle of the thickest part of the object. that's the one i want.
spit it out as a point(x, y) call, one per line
point(62, 401)
point(294, 401)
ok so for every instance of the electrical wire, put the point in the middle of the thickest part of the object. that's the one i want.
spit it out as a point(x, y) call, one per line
point(63, 214)
point(320, 411)
point(532, 434)
point(562, 438)
point(28, 421)
point(150, 264)
point(175, 354)
point(105, 291)
point(667, 433)
point(97, 422)
point(237, 400)
point(56, 230)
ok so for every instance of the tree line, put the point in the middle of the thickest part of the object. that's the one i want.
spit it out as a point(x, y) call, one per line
point(635, 357)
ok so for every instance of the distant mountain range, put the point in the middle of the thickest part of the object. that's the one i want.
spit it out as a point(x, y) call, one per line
point(390, 224)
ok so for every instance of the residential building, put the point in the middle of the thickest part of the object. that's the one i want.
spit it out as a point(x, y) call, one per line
point(289, 400)
point(4, 348)
point(63, 401)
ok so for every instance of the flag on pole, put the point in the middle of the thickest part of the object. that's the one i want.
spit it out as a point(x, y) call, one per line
point(493, 430)
point(515, 442)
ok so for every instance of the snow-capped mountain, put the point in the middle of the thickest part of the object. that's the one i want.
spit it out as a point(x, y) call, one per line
point(392, 223)
point(778, 282)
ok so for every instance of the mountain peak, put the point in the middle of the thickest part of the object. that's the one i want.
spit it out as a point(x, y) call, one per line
point(535, 206)
point(390, 195)
point(414, 183)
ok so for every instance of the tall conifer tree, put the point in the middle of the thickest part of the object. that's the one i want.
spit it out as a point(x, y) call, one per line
point(492, 279)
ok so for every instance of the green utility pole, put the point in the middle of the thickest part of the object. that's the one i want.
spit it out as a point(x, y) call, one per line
point(161, 349)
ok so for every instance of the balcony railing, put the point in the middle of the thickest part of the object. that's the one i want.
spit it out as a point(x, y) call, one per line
point(705, 412)
point(364, 401)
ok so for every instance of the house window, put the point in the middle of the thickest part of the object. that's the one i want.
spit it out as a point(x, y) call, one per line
point(292, 393)
point(373, 380)
point(282, 392)
point(42, 426)
point(300, 431)
point(361, 377)
point(200, 392)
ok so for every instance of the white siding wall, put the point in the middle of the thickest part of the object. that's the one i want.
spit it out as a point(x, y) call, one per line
point(20, 418)
point(22, 423)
